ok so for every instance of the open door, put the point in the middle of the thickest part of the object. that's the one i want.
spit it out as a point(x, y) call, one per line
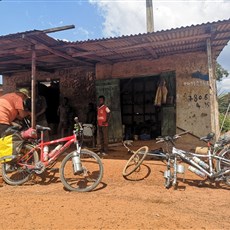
point(111, 90)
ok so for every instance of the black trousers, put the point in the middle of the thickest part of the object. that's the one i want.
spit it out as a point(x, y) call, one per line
point(103, 135)
point(3, 128)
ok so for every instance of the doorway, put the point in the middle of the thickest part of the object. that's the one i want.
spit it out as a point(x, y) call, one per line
point(141, 118)
point(51, 91)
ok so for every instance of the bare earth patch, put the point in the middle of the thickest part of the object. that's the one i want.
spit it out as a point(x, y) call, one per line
point(141, 202)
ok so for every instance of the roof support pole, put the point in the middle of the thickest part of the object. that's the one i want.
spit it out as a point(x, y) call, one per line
point(33, 87)
point(149, 16)
point(214, 113)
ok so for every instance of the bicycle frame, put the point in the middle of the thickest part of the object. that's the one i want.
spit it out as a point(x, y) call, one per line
point(211, 173)
point(69, 140)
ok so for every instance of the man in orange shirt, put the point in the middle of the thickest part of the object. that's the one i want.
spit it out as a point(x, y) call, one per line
point(103, 114)
point(12, 107)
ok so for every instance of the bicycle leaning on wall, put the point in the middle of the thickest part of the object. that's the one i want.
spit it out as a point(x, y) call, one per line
point(80, 170)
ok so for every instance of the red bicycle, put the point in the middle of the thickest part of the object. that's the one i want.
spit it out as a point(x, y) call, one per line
point(80, 170)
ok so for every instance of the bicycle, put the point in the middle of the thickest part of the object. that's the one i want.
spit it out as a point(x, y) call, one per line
point(138, 156)
point(215, 169)
point(80, 170)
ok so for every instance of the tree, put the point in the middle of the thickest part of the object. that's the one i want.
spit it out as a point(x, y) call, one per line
point(220, 72)
point(223, 101)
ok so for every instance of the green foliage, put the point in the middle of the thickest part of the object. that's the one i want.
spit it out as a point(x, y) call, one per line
point(220, 72)
point(223, 102)
point(226, 126)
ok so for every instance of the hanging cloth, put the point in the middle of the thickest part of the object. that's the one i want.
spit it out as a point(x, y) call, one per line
point(161, 94)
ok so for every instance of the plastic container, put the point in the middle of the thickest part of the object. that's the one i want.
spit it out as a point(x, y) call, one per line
point(196, 171)
point(201, 163)
point(54, 151)
point(45, 153)
point(180, 169)
point(77, 163)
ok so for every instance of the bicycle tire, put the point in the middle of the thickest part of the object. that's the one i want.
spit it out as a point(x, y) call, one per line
point(136, 159)
point(221, 165)
point(85, 180)
point(14, 174)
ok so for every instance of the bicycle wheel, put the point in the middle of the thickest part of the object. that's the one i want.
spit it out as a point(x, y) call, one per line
point(85, 180)
point(13, 173)
point(222, 164)
point(135, 161)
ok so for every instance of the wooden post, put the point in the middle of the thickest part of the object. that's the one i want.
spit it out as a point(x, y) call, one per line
point(149, 16)
point(33, 88)
point(212, 91)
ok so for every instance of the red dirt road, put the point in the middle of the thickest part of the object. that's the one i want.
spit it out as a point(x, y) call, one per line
point(116, 203)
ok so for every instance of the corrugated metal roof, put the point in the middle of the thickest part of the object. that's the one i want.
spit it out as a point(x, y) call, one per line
point(15, 49)
point(176, 31)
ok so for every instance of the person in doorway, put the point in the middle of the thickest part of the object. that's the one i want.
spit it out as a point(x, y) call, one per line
point(91, 116)
point(63, 113)
point(103, 115)
point(41, 107)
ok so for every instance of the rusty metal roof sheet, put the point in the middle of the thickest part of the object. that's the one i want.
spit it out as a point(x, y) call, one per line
point(15, 49)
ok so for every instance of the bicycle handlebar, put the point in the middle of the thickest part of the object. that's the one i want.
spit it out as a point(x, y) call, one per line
point(170, 138)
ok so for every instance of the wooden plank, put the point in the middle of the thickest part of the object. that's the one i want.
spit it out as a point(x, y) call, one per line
point(56, 52)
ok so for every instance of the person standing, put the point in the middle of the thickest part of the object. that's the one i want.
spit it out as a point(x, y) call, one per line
point(103, 115)
point(64, 113)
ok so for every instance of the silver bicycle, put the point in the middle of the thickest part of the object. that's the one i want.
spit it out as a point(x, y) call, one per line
point(213, 166)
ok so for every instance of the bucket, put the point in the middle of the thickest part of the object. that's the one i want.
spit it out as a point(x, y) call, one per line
point(180, 169)
point(201, 150)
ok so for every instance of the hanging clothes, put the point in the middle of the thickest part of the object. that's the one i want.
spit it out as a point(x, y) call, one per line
point(161, 94)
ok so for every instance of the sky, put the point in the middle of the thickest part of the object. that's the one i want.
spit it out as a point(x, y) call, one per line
point(95, 19)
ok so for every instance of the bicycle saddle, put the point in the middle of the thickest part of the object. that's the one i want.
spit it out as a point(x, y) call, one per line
point(208, 138)
point(42, 128)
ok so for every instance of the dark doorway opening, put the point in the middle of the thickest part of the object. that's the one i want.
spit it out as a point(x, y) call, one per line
point(51, 91)
point(141, 118)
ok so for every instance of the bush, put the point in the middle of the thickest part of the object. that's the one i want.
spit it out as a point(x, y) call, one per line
point(226, 126)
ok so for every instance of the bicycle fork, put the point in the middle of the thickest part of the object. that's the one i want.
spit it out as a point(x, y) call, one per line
point(167, 173)
point(174, 183)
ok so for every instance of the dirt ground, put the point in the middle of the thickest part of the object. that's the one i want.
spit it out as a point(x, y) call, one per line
point(141, 202)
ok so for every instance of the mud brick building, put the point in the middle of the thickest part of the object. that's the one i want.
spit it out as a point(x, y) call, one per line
point(127, 70)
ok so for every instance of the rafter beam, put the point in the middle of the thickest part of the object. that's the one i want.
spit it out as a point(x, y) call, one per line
point(72, 51)
point(39, 45)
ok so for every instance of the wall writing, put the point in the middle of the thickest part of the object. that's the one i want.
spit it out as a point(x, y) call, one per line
point(199, 100)
point(197, 83)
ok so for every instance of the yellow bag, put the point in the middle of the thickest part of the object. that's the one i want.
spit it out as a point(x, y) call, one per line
point(10, 147)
